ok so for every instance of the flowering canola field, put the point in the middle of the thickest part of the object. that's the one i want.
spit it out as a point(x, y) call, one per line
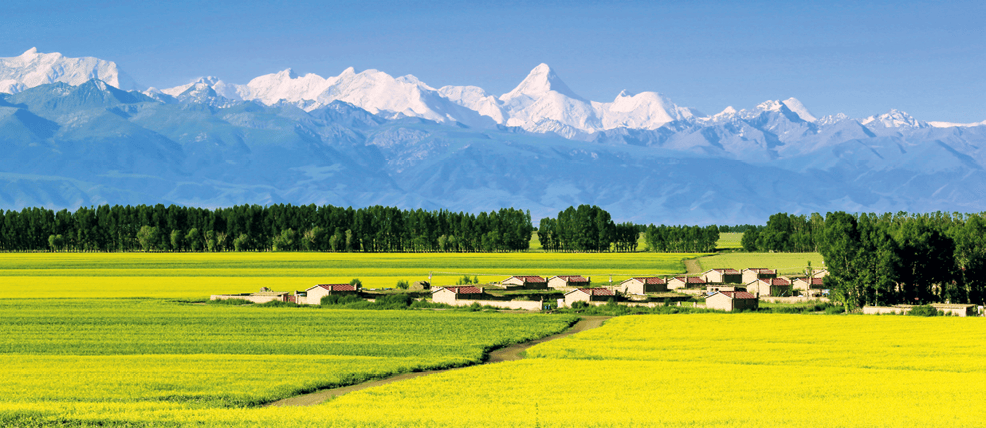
point(197, 275)
point(719, 370)
point(88, 361)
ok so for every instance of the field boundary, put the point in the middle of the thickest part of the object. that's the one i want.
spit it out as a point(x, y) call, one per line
point(509, 353)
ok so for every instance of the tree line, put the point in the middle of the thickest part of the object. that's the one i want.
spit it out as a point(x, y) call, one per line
point(682, 239)
point(263, 228)
point(886, 259)
point(586, 228)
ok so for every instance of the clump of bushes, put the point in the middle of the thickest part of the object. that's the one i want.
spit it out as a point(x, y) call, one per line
point(231, 302)
point(925, 311)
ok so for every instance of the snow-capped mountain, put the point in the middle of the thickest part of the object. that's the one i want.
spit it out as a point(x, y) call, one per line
point(32, 68)
point(365, 138)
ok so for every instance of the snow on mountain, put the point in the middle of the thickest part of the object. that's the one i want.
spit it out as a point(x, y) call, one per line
point(33, 68)
point(646, 110)
point(474, 98)
point(286, 85)
point(542, 95)
point(227, 90)
point(894, 119)
point(956, 125)
point(799, 109)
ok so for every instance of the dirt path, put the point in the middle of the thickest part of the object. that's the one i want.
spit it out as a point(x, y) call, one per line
point(692, 266)
point(510, 353)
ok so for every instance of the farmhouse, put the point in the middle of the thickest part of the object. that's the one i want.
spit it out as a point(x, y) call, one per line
point(643, 285)
point(809, 286)
point(314, 295)
point(712, 288)
point(722, 276)
point(774, 287)
point(563, 281)
point(589, 295)
point(685, 282)
point(263, 296)
point(753, 274)
point(449, 295)
point(820, 273)
point(526, 282)
point(732, 301)
point(957, 310)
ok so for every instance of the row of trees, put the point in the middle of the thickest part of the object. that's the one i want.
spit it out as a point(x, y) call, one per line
point(260, 228)
point(784, 233)
point(682, 239)
point(905, 258)
point(586, 228)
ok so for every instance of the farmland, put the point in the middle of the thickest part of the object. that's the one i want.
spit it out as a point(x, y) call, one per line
point(196, 275)
point(784, 263)
point(155, 354)
point(655, 371)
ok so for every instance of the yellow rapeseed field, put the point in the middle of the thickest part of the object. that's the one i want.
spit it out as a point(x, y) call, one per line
point(197, 275)
point(710, 370)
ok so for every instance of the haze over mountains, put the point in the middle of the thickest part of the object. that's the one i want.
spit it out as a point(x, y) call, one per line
point(77, 132)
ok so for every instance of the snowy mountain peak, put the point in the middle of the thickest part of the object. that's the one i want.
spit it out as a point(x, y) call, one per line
point(33, 68)
point(895, 119)
point(539, 82)
point(799, 109)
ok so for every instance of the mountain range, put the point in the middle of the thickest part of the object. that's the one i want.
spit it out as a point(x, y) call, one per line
point(79, 131)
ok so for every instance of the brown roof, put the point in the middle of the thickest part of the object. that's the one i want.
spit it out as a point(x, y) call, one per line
point(464, 290)
point(729, 271)
point(776, 281)
point(762, 270)
point(649, 279)
point(529, 278)
point(336, 287)
point(572, 278)
point(737, 294)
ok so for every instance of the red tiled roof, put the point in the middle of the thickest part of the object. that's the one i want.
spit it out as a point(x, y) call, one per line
point(737, 295)
point(776, 281)
point(597, 291)
point(464, 290)
point(650, 279)
point(572, 278)
point(529, 278)
point(695, 280)
point(762, 270)
point(336, 287)
point(817, 281)
point(729, 271)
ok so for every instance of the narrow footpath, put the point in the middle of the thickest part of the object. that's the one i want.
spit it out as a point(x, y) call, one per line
point(692, 266)
point(509, 353)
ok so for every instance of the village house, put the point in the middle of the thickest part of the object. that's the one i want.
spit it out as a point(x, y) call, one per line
point(711, 289)
point(643, 285)
point(685, 282)
point(525, 282)
point(263, 296)
point(449, 295)
point(809, 286)
point(722, 276)
point(820, 273)
point(314, 295)
point(563, 281)
point(732, 301)
point(753, 274)
point(589, 295)
point(770, 287)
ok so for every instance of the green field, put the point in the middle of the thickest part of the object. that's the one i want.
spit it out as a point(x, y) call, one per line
point(197, 275)
point(785, 263)
point(729, 241)
point(91, 354)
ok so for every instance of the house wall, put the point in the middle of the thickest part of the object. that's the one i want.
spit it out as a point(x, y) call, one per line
point(576, 297)
point(750, 276)
point(745, 304)
point(719, 302)
point(315, 296)
point(557, 283)
point(505, 304)
point(443, 296)
point(632, 286)
point(675, 284)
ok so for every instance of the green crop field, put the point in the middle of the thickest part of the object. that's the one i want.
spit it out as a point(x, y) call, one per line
point(197, 275)
point(785, 263)
point(729, 241)
point(95, 355)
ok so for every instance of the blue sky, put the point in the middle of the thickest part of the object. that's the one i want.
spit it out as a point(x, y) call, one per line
point(926, 58)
